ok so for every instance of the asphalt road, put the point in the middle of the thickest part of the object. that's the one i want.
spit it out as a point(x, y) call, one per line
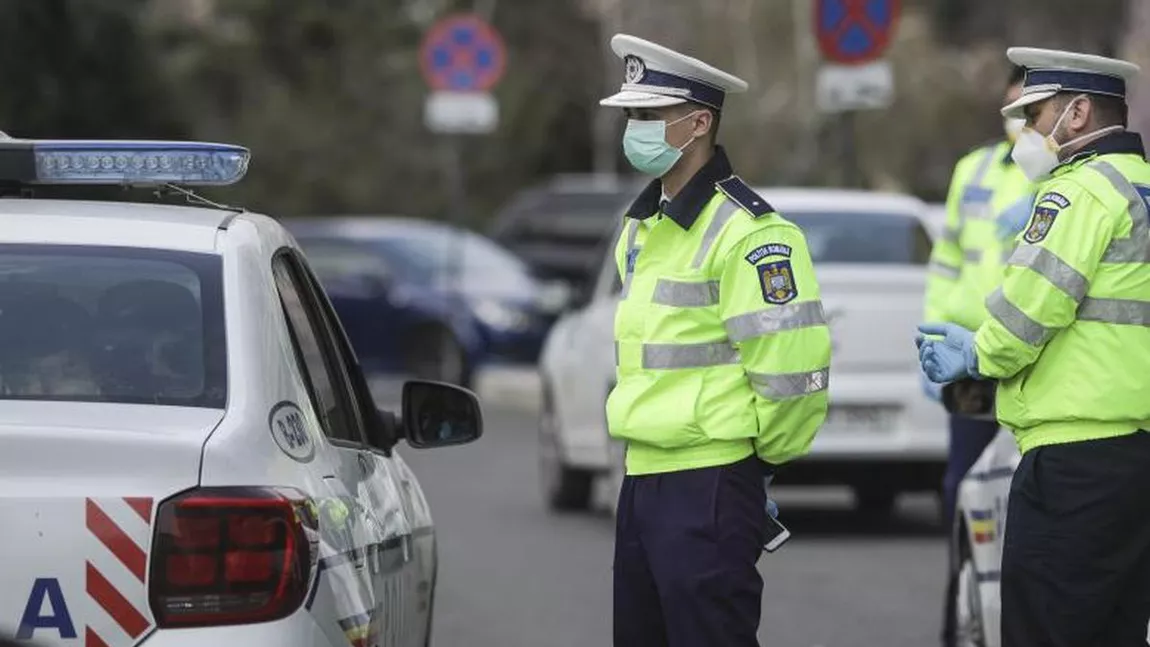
point(514, 575)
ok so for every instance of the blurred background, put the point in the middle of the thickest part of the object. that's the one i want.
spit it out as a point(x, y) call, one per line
point(481, 258)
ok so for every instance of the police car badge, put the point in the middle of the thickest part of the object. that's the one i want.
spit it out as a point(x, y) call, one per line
point(634, 69)
point(1040, 224)
point(777, 281)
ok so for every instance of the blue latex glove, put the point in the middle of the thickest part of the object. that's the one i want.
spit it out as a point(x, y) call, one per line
point(1013, 219)
point(772, 507)
point(950, 358)
point(930, 389)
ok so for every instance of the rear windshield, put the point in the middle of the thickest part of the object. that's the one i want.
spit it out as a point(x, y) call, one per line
point(110, 324)
point(860, 237)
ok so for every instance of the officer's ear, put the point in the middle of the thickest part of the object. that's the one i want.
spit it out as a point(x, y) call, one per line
point(704, 124)
point(1078, 118)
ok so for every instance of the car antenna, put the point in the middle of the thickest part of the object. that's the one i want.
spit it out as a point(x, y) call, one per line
point(193, 198)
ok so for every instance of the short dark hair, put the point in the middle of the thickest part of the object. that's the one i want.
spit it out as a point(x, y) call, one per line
point(1106, 110)
point(1109, 111)
point(1017, 75)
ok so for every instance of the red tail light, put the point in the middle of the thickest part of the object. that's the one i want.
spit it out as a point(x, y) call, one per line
point(232, 556)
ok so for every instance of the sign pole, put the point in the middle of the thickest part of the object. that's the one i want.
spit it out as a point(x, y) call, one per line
point(853, 35)
point(462, 58)
point(850, 162)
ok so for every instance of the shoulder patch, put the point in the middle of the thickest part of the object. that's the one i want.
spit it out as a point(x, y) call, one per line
point(1055, 198)
point(770, 249)
point(777, 281)
point(738, 192)
point(1046, 209)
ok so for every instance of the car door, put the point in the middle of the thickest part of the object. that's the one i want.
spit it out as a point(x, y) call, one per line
point(592, 350)
point(350, 608)
point(381, 490)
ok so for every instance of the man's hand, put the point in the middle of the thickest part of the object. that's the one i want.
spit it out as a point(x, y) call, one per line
point(950, 358)
point(930, 389)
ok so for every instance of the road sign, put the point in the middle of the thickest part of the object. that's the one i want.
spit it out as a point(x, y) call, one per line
point(461, 113)
point(462, 53)
point(854, 31)
point(841, 88)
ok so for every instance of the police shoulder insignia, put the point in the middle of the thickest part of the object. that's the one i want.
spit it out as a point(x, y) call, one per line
point(1046, 209)
point(770, 249)
point(738, 192)
point(777, 281)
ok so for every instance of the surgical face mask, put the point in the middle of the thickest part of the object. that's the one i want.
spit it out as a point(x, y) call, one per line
point(645, 145)
point(1012, 127)
point(1037, 154)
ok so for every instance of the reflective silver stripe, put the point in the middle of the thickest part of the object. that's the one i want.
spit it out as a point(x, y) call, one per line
point(983, 166)
point(684, 294)
point(667, 356)
point(1006, 254)
point(777, 386)
point(1127, 250)
point(1046, 263)
point(632, 234)
point(944, 270)
point(950, 235)
point(772, 320)
point(1016, 321)
point(723, 213)
point(1116, 311)
point(972, 255)
point(1136, 248)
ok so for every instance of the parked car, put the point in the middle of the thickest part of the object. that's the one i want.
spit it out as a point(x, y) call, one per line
point(427, 298)
point(191, 453)
point(936, 218)
point(558, 227)
point(881, 436)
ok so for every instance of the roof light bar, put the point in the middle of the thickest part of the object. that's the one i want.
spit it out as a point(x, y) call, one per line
point(121, 162)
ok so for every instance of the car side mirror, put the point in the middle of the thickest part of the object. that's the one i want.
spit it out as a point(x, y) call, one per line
point(437, 414)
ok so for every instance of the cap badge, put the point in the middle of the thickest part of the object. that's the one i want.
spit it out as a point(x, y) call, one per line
point(634, 69)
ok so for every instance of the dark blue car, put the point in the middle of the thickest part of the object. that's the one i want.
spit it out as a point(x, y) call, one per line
point(426, 298)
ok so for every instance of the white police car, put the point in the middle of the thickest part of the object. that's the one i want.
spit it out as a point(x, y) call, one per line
point(189, 454)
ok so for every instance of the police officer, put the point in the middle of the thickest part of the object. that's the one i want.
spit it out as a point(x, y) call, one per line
point(1068, 339)
point(988, 203)
point(723, 356)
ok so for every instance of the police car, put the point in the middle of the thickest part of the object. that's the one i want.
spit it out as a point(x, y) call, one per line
point(190, 453)
point(882, 437)
point(976, 543)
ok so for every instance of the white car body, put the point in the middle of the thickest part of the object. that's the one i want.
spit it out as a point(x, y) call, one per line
point(83, 485)
point(976, 543)
point(882, 436)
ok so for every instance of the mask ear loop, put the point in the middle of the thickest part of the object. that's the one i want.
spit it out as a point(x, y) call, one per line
point(693, 136)
point(1081, 138)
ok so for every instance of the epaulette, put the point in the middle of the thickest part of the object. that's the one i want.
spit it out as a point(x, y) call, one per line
point(738, 192)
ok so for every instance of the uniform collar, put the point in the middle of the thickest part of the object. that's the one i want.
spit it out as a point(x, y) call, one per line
point(1124, 142)
point(689, 203)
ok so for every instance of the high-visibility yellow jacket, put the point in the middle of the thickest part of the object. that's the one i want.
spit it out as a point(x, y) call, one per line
point(721, 343)
point(1069, 330)
point(968, 260)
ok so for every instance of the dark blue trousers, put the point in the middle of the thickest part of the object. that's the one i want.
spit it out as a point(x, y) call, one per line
point(968, 439)
point(686, 544)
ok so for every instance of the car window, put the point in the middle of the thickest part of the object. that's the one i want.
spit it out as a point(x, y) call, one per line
point(316, 355)
point(863, 237)
point(111, 324)
point(426, 257)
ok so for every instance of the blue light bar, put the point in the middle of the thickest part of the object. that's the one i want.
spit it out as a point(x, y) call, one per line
point(123, 162)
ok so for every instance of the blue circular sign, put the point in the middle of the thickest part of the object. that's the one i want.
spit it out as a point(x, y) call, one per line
point(462, 53)
point(854, 31)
